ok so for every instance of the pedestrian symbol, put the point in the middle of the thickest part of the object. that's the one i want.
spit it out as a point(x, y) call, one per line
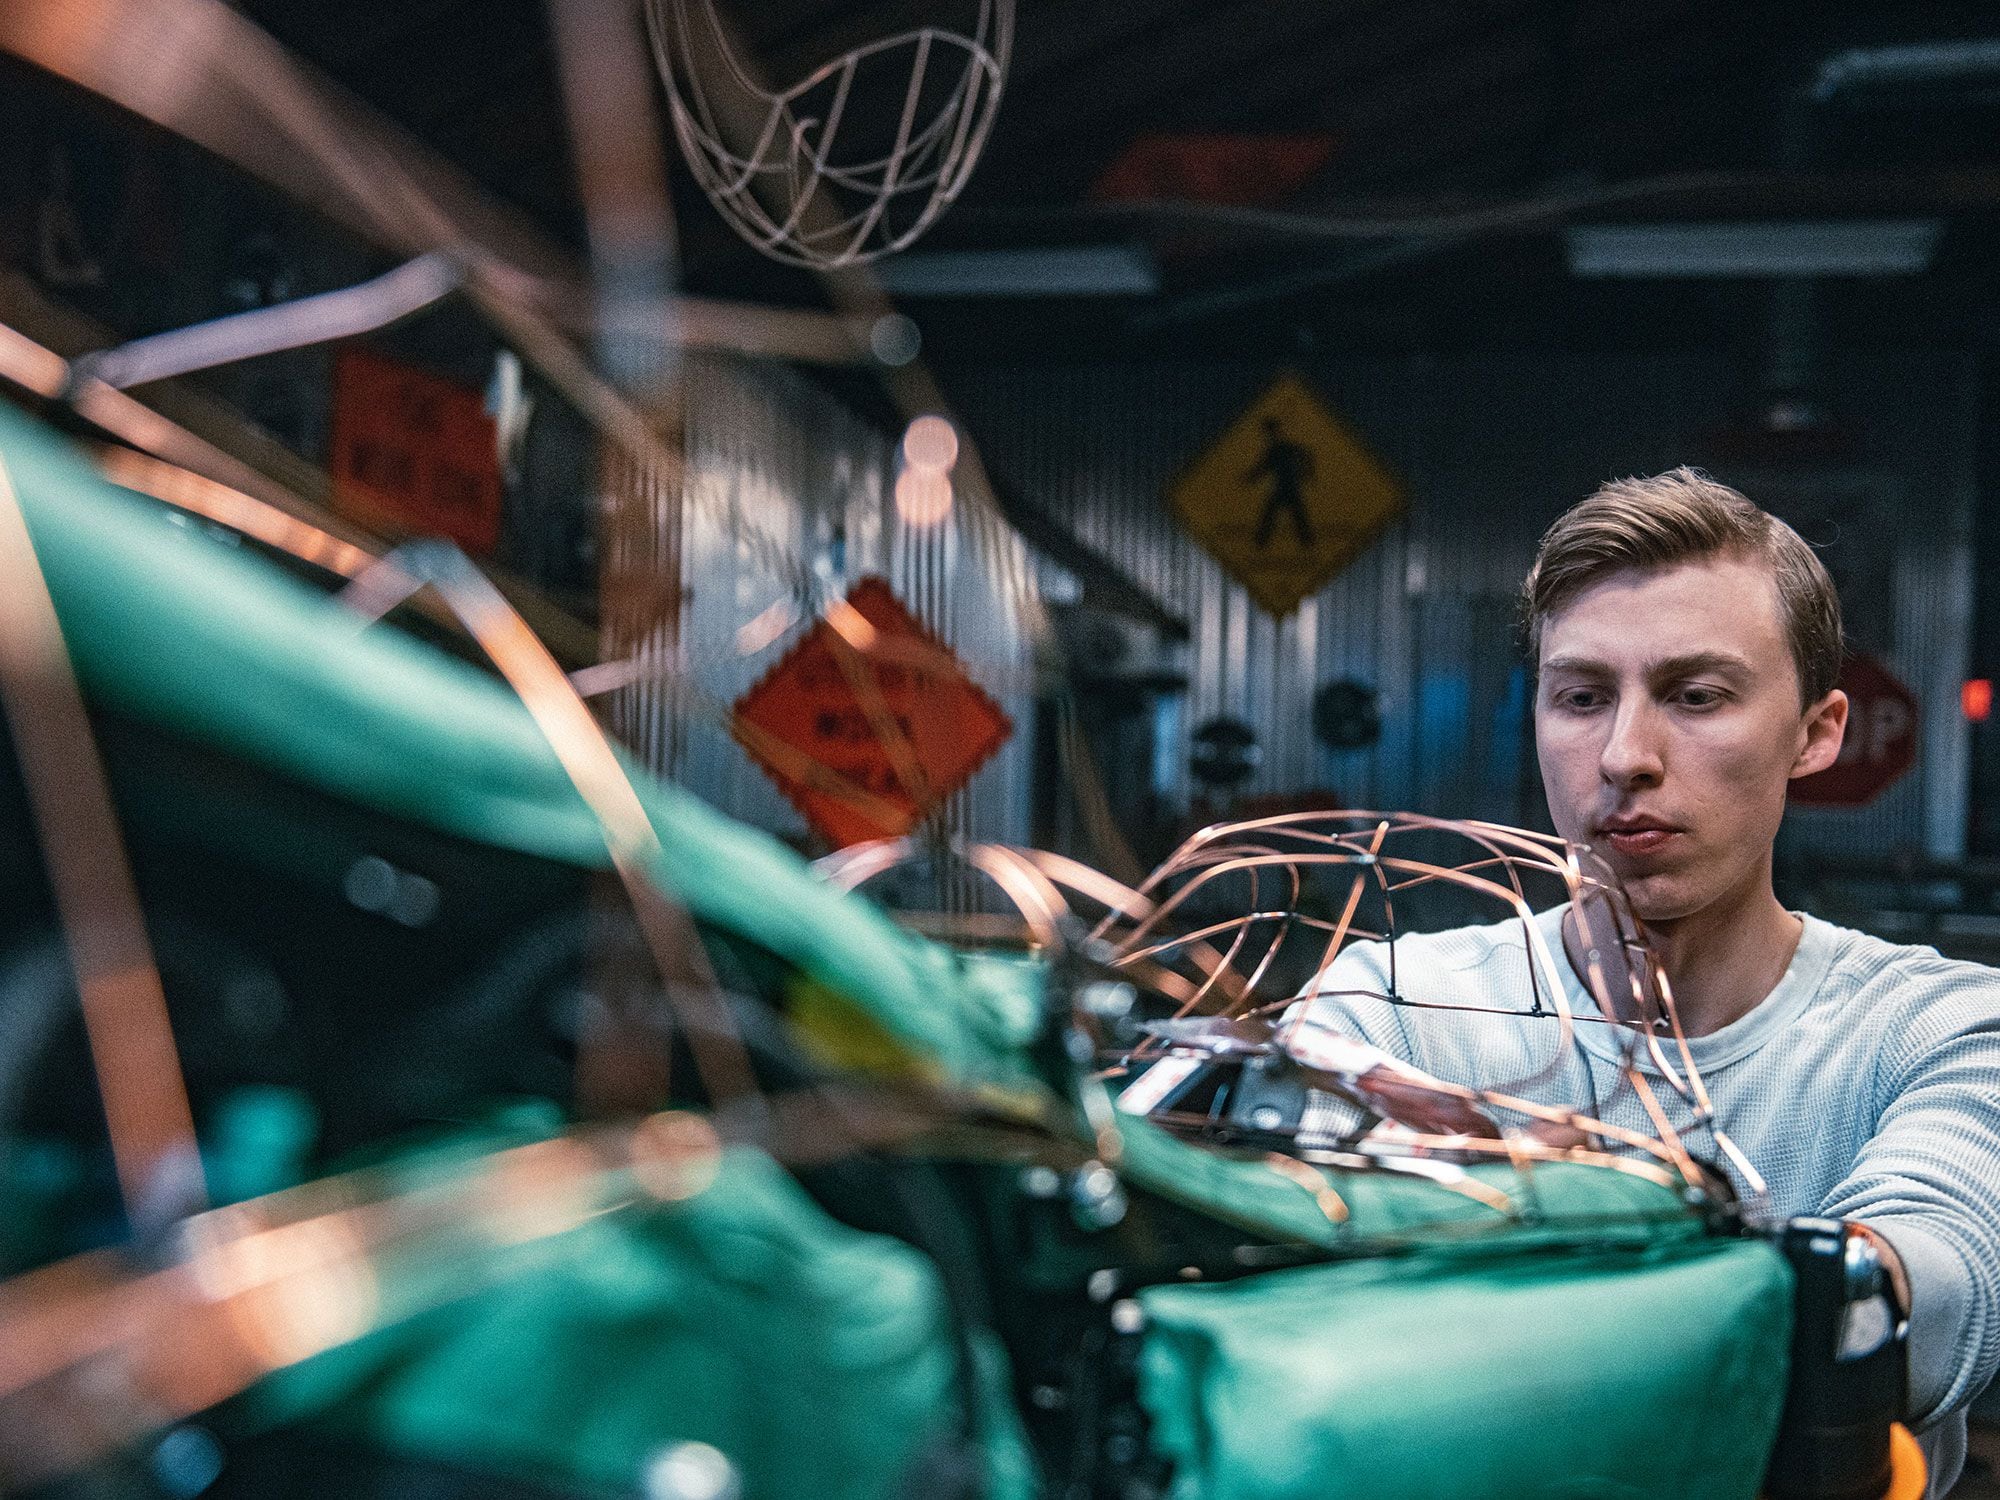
point(1286, 497)
point(1291, 469)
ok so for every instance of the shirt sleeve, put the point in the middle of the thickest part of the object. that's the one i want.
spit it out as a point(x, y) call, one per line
point(1929, 1181)
point(1350, 1000)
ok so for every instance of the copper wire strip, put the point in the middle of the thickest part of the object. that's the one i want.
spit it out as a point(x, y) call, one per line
point(124, 1007)
point(593, 767)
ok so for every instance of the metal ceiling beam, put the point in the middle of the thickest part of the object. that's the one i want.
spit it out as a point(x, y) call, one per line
point(1402, 238)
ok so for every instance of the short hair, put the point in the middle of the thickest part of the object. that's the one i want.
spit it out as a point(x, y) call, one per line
point(1684, 516)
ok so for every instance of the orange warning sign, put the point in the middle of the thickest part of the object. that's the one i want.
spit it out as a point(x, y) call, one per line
point(413, 455)
point(876, 700)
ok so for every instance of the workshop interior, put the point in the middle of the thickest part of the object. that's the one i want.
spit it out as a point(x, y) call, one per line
point(690, 692)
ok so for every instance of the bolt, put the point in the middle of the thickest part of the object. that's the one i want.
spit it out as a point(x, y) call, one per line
point(1097, 1198)
point(1041, 1182)
point(1108, 999)
point(692, 1471)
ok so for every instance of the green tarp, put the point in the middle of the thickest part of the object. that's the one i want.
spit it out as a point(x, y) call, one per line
point(1586, 1376)
point(176, 629)
point(820, 1360)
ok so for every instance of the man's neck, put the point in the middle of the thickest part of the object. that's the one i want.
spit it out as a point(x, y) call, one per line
point(1724, 959)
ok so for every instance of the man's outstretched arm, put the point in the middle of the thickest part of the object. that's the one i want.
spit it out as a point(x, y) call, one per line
point(1928, 1182)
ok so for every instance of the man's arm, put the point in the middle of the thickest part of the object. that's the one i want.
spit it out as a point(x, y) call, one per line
point(1928, 1182)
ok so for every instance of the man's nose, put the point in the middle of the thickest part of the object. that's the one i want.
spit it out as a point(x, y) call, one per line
point(1633, 755)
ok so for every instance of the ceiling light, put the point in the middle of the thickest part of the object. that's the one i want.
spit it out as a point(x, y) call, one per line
point(1853, 247)
point(1072, 271)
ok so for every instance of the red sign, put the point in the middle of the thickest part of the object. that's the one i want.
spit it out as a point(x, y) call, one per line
point(413, 455)
point(1881, 741)
point(1213, 168)
point(869, 721)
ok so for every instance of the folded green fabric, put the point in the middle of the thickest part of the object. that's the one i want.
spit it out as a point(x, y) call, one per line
point(818, 1359)
point(1653, 1373)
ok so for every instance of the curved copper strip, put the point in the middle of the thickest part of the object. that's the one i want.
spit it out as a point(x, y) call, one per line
point(586, 757)
point(125, 1014)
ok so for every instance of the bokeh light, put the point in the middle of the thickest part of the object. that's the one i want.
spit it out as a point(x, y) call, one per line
point(930, 443)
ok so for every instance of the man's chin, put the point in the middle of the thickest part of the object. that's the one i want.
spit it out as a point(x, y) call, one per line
point(1662, 896)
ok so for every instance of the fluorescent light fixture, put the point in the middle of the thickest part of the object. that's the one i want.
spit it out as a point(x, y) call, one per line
point(1842, 247)
point(1072, 271)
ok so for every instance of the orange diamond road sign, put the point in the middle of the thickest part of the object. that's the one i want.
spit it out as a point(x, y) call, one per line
point(883, 705)
point(1286, 497)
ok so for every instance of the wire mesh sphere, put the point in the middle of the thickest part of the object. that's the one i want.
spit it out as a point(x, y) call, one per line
point(815, 175)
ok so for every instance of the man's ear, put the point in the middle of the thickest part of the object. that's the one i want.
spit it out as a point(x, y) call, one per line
point(1820, 734)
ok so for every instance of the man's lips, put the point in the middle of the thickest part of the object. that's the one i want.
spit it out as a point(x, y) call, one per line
point(1638, 836)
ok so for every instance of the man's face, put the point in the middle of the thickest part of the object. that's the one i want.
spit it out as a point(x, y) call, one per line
point(1668, 723)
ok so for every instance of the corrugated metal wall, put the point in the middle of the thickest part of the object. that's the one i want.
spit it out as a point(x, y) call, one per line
point(782, 481)
point(1490, 449)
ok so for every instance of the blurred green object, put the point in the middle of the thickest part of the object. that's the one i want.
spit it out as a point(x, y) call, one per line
point(257, 1141)
point(215, 643)
point(39, 1182)
point(820, 1360)
point(1588, 1376)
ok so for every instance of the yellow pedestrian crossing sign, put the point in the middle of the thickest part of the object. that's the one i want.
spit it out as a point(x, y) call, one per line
point(1286, 497)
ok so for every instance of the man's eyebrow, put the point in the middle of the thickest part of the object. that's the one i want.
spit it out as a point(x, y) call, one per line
point(1694, 663)
point(1688, 664)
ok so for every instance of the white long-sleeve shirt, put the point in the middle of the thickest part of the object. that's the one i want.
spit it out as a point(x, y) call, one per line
point(1866, 1086)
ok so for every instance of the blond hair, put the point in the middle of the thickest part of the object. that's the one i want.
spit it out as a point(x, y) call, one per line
point(1684, 516)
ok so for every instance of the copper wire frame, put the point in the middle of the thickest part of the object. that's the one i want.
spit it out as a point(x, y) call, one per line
point(1219, 965)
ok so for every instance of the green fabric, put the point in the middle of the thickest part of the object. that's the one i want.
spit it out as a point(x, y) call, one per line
point(1584, 1377)
point(818, 1358)
point(174, 628)
point(168, 625)
point(1556, 1203)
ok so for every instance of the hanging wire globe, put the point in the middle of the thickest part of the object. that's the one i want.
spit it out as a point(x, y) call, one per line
point(805, 175)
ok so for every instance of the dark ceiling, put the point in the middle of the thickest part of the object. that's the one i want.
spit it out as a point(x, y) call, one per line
point(1419, 107)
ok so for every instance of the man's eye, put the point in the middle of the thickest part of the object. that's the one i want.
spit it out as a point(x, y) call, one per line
point(1698, 697)
point(1580, 699)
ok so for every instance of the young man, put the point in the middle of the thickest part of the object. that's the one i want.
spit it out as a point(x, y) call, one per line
point(1686, 646)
